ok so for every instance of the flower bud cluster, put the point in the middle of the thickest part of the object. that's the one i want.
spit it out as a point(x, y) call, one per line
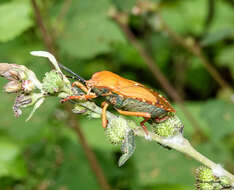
point(52, 82)
point(116, 130)
point(21, 79)
point(168, 128)
point(24, 81)
point(206, 180)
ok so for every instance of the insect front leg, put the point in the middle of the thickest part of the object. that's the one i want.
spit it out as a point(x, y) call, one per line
point(82, 97)
point(86, 96)
point(81, 86)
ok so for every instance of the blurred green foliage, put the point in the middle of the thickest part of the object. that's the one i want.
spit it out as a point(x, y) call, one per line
point(45, 153)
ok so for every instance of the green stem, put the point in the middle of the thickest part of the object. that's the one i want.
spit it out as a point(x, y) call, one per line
point(178, 143)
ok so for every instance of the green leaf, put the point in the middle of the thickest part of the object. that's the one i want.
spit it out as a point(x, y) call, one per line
point(157, 165)
point(217, 36)
point(125, 5)
point(225, 57)
point(195, 110)
point(14, 19)
point(74, 171)
point(20, 130)
point(224, 16)
point(89, 32)
point(219, 115)
point(197, 71)
point(11, 164)
point(127, 55)
point(95, 134)
point(186, 16)
point(168, 187)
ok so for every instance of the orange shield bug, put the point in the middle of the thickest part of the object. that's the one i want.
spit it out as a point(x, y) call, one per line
point(127, 97)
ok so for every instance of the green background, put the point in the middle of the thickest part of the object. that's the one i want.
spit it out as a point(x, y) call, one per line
point(45, 153)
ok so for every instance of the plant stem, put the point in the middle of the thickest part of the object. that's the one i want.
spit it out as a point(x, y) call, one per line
point(93, 162)
point(48, 41)
point(97, 170)
point(121, 19)
point(196, 50)
point(183, 146)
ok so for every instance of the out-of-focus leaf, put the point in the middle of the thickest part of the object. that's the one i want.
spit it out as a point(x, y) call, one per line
point(168, 187)
point(216, 36)
point(197, 75)
point(224, 16)
point(157, 165)
point(14, 19)
point(195, 110)
point(18, 51)
point(219, 115)
point(11, 164)
point(185, 16)
point(161, 50)
point(217, 152)
point(74, 172)
point(128, 55)
point(226, 57)
point(89, 32)
point(125, 5)
point(17, 128)
point(95, 134)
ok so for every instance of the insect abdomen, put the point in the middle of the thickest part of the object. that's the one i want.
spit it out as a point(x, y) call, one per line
point(134, 105)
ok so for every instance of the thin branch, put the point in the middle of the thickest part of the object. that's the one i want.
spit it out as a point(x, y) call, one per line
point(178, 143)
point(88, 152)
point(121, 19)
point(64, 10)
point(174, 140)
point(211, 12)
point(196, 50)
point(74, 125)
point(48, 41)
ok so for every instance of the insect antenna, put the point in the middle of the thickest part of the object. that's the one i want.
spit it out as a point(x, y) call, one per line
point(75, 76)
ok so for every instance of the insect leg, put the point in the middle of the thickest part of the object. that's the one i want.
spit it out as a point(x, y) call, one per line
point(159, 120)
point(143, 125)
point(81, 86)
point(82, 97)
point(104, 119)
point(130, 113)
point(146, 116)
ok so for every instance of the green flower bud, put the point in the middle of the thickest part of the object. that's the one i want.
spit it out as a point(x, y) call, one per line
point(164, 130)
point(225, 181)
point(52, 82)
point(205, 174)
point(217, 186)
point(168, 128)
point(205, 186)
point(116, 130)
